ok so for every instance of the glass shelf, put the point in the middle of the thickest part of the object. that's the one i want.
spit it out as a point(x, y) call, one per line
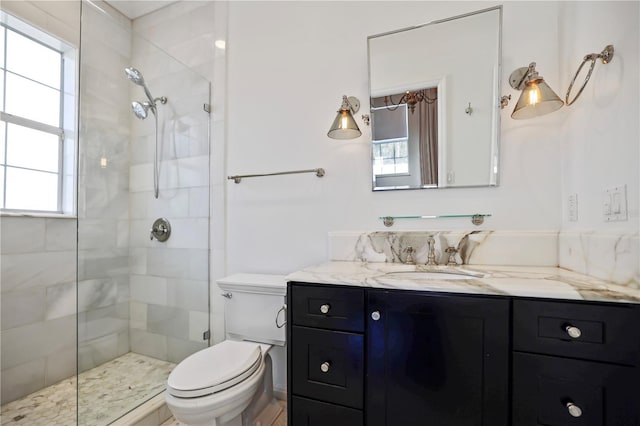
point(476, 219)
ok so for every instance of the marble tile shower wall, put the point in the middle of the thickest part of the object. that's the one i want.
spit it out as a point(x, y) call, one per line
point(38, 303)
point(169, 280)
point(103, 192)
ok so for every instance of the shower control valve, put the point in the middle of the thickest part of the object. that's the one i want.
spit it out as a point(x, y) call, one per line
point(161, 230)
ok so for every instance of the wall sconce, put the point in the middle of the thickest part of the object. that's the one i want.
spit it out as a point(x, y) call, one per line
point(344, 126)
point(537, 98)
point(605, 56)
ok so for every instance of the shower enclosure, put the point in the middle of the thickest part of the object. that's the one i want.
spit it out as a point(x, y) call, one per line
point(142, 302)
point(96, 308)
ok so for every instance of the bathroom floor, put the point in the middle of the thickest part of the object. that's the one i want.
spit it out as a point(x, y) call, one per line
point(106, 392)
point(280, 421)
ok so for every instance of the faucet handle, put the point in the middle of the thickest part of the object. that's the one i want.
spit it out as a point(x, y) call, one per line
point(431, 257)
point(452, 255)
point(410, 260)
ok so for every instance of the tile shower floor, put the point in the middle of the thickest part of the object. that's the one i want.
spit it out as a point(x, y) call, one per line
point(106, 392)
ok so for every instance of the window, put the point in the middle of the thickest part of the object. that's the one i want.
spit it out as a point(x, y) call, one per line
point(37, 120)
point(390, 136)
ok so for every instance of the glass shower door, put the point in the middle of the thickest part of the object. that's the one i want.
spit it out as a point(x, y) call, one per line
point(143, 303)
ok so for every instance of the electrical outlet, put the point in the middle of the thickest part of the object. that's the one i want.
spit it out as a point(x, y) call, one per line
point(573, 208)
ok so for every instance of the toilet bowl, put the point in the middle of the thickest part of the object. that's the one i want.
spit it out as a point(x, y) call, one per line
point(231, 383)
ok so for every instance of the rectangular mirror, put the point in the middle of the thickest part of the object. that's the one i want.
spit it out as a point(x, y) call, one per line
point(434, 96)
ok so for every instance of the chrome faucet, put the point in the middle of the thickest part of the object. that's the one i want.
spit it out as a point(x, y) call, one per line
point(452, 256)
point(431, 259)
point(409, 260)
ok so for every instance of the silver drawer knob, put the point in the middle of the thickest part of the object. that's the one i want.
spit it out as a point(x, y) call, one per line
point(325, 308)
point(324, 367)
point(574, 410)
point(573, 332)
point(375, 315)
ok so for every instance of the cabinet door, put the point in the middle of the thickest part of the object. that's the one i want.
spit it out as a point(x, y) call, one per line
point(307, 412)
point(437, 360)
point(327, 365)
point(553, 391)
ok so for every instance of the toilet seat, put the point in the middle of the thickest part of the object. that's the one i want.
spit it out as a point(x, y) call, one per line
point(214, 369)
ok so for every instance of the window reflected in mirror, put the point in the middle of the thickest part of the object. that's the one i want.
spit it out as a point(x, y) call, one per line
point(404, 130)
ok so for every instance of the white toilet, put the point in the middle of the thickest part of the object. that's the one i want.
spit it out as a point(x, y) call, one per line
point(231, 383)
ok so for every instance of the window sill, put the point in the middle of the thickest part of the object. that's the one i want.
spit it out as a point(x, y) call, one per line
point(38, 215)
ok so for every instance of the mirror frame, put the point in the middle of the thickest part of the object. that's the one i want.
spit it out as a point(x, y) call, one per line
point(494, 167)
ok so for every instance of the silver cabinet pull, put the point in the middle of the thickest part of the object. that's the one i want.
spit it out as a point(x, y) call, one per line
point(573, 332)
point(227, 295)
point(574, 410)
point(325, 308)
point(325, 366)
point(375, 315)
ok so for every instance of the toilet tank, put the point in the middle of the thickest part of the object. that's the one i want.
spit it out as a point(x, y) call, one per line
point(253, 304)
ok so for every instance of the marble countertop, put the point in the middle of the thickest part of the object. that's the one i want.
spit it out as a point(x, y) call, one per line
point(519, 281)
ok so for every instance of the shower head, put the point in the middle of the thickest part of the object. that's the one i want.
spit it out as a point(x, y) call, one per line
point(136, 77)
point(141, 109)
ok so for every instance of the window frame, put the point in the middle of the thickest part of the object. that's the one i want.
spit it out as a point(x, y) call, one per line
point(65, 197)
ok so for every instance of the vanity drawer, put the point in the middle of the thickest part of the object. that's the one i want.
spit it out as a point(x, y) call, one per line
point(336, 308)
point(328, 365)
point(545, 386)
point(306, 412)
point(600, 332)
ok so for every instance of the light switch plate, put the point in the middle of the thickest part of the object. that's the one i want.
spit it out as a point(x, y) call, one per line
point(614, 204)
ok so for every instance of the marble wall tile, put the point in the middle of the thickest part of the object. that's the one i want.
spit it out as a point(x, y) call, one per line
point(148, 289)
point(21, 235)
point(149, 344)
point(612, 256)
point(138, 315)
point(22, 307)
point(60, 234)
point(97, 351)
point(60, 365)
point(168, 321)
point(60, 300)
point(199, 202)
point(45, 338)
point(97, 293)
point(179, 349)
point(189, 233)
point(22, 379)
point(37, 269)
point(475, 247)
point(198, 324)
point(188, 294)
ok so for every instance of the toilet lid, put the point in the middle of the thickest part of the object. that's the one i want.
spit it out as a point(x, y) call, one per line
point(214, 369)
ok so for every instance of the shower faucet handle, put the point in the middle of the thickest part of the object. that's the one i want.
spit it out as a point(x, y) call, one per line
point(160, 230)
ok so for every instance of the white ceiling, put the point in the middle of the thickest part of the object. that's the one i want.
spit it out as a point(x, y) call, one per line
point(133, 9)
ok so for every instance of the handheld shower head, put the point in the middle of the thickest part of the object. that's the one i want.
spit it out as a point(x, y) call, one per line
point(136, 77)
point(141, 109)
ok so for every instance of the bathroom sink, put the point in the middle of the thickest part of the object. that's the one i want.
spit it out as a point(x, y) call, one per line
point(434, 275)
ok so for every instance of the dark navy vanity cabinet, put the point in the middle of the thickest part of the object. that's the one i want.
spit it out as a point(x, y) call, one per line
point(437, 359)
point(380, 357)
point(575, 363)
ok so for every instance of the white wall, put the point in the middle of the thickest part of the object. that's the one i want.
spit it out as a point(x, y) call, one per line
point(289, 65)
point(601, 136)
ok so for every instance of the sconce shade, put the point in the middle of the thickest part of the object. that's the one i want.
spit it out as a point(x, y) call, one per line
point(344, 126)
point(536, 99)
